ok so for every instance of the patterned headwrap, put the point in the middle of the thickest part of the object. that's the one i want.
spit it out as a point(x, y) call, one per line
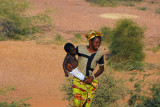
point(91, 34)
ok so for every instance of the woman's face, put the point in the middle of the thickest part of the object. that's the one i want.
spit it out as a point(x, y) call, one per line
point(95, 43)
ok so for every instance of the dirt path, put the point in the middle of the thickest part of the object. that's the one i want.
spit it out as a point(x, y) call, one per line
point(36, 69)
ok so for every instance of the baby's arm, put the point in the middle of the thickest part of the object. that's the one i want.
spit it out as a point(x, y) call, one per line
point(64, 65)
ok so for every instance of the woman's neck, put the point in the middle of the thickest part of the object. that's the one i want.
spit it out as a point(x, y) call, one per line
point(90, 49)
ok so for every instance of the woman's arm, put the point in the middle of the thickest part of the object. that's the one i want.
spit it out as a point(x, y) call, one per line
point(99, 72)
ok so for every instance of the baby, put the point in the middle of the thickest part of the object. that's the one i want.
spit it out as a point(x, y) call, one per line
point(70, 60)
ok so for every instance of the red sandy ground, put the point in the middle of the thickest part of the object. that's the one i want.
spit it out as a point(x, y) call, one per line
point(36, 70)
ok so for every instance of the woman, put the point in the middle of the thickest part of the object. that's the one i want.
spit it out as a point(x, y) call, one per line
point(88, 57)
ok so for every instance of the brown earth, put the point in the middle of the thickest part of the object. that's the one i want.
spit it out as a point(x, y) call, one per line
point(36, 70)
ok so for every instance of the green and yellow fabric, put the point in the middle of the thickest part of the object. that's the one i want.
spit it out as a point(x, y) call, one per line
point(83, 93)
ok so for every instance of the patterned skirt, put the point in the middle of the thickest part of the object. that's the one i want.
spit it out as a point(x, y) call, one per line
point(83, 93)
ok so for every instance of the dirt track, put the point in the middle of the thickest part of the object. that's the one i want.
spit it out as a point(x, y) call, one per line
point(36, 69)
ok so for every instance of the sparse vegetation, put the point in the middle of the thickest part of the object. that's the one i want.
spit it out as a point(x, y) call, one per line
point(129, 4)
point(155, 100)
point(142, 8)
point(141, 98)
point(151, 66)
point(158, 10)
point(77, 38)
point(67, 89)
point(14, 102)
point(113, 3)
point(15, 24)
point(44, 41)
point(59, 40)
point(155, 48)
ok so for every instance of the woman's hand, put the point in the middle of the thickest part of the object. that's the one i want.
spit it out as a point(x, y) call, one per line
point(89, 80)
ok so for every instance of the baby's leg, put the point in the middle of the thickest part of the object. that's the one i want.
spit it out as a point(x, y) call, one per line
point(76, 73)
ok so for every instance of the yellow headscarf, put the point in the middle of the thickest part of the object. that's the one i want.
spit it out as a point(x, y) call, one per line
point(91, 34)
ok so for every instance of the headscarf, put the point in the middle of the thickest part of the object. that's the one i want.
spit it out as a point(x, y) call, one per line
point(92, 34)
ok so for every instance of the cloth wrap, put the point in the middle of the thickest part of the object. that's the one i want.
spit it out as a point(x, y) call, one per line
point(83, 93)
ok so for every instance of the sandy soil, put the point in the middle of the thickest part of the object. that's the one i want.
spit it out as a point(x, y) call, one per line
point(36, 70)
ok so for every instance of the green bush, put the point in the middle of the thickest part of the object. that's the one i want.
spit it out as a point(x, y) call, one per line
point(14, 102)
point(14, 23)
point(107, 35)
point(126, 47)
point(108, 94)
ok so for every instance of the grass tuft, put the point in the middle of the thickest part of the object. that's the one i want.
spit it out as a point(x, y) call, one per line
point(59, 40)
point(77, 38)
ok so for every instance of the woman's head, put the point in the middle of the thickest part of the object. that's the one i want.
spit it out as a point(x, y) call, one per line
point(95, 43)
point(94, 39)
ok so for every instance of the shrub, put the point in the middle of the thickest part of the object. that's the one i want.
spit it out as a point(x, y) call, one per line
point(126, 47)
point(107, 35)
point(109, 93)
point(14, 23)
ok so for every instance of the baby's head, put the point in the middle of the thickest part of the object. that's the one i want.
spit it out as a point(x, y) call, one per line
point(70, 49)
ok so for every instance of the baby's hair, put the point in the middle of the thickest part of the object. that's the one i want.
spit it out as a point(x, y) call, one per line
point(68, 46)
